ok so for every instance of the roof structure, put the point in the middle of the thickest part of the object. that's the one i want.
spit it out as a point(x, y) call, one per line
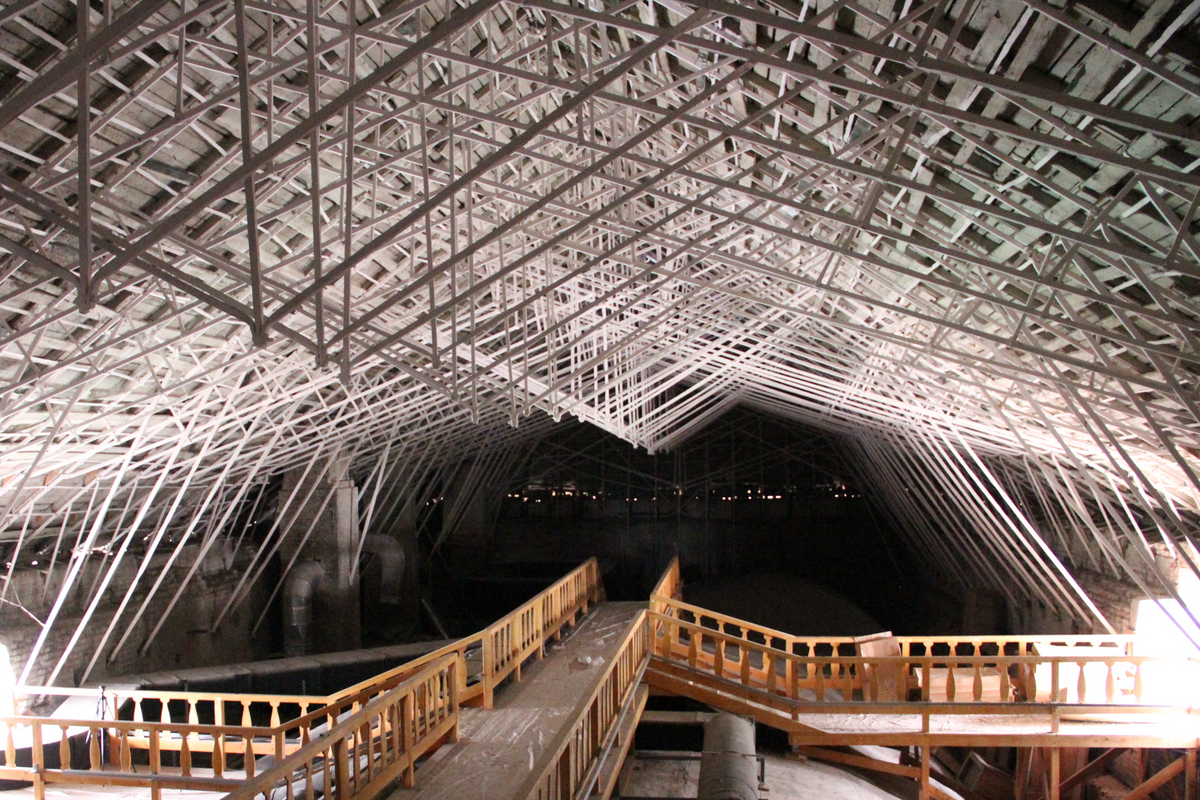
point(960, 234)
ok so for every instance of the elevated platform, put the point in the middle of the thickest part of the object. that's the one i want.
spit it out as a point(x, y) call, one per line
point(502, 751)
point(839, 723)
point(1014, 691)
point(544, 703)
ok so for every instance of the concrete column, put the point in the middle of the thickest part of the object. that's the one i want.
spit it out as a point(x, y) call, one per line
point(341, 630)
point(333, 543)
point(405, 532)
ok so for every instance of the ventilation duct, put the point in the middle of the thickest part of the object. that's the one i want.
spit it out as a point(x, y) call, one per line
point(298, 606)
point(392, 561)
point(729, 764)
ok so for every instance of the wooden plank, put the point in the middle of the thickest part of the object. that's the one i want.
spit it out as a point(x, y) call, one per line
point(492, 759)
point(106, 778)
point(1165, 774)
point(659, 717)
point(1092, 769)
point(862, 762)
point(619, 678)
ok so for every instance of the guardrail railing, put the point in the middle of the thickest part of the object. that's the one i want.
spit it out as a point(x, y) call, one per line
point(382, 728)
point(578, 752)
point(1091, 670)
point(505, 644)
point(1000, 679)
point(366, 751)
point(669, 587)
point(203, 730)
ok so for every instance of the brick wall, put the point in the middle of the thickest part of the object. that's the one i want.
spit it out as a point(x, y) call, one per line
point(1115, 597)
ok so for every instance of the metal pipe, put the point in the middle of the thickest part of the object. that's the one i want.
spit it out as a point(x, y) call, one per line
point(729, 764)
point(297, 606)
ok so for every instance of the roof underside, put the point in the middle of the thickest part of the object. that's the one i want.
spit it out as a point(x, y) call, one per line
point(962, 234)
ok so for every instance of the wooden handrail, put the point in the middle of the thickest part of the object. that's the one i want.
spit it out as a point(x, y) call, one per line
point(504, 645)
point(669, 586)
point(673, 609)
point(666, 598)
point(576, 752)
point(780, 671)
point(398, 674)
point(549, 610)
point(360, 755)
point(793, 708)
point(1120, 644)
point(118, 738)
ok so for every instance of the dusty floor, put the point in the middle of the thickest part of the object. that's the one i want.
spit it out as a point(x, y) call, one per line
point(501, 749)
point(786, 779)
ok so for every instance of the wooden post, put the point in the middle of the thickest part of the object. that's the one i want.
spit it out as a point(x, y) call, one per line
point(39, 767)
point(406, 734)
point(925, 793)
point(455, 668)
point(341, 767)
point(1189, 776)
point(156, 758)
point(93, 748)
point(126, 756)
point(64, 748)
point(1024, 755)
point(1055, 772)
point(218, 756)
point(185, 756)
point(539, 626)
point(489, 662)
point(219, 746)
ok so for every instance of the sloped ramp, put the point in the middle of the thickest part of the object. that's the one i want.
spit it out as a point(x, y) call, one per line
point(501, 752)
point(839, 722)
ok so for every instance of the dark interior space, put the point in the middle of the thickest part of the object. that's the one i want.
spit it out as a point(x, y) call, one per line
point(770, 521)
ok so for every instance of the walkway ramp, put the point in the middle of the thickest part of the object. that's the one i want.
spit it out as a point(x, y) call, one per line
point(364, 740)
point(543, 704)
point(504, 752)
point(1005, 691)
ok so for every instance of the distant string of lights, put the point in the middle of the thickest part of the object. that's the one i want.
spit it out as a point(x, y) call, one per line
point(538, 493)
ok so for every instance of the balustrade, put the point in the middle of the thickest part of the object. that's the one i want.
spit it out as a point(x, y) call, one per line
point(351, 740)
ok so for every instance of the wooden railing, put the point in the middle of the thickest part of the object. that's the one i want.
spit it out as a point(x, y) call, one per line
point(803, 669)
point(365, 752)
point(669, 587)
point(188, 708)
point(504, 645)
point(202, 730)
point(109, 756)
point(578, 752)
point(943, 678)
point(422, 710)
